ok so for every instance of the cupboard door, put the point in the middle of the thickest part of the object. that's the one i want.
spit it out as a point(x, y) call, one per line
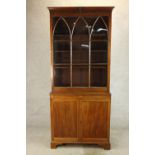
point(65, 118)
point(92, 119)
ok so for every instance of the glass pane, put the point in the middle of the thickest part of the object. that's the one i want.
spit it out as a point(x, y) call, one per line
point(80, 76)
point(60, 27)
point(80, 46)
point(99, 76)
point(71, 21)
point(61, 41)
point(80, 42)
point(61, 46)
point(99, 29)
point(62, 76)
point(80, 57)
point(62, 57)
point(90, 21)
point(99, 56)
point(80, 53)
point(61, 52)
point(106, 20)
point(99, 45)
point(81, 27)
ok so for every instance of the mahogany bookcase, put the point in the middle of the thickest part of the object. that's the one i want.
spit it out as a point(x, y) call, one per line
point(80, 98)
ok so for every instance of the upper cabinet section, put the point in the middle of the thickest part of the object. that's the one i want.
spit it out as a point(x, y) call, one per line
point(80, 44)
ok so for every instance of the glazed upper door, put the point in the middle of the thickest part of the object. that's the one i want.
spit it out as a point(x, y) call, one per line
point(80, 46)
point(92, 119)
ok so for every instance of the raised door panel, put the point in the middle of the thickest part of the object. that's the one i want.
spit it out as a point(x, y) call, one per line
point(65, 118)
point(92, 119)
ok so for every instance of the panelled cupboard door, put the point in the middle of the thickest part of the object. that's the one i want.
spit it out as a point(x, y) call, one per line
point(65, 118)
point(92, 119)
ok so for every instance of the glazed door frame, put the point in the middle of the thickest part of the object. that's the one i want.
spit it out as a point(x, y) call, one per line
point(82, 14)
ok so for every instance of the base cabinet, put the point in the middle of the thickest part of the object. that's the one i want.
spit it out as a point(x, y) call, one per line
point(80, 119)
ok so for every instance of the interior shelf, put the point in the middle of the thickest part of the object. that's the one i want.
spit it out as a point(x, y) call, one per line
point(61, 40)
point(80, 64)
point(66, 51)
point(98, 63)
point(99, 40)
point(80, 37)
point(61, 64)
point(94, 51)
point(81, 40)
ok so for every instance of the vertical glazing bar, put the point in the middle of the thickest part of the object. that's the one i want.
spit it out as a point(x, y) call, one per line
point(71, 59)
point(71, 50)
point(89, 60)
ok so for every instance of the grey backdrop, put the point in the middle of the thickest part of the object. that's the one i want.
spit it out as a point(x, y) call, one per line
point(38, 61)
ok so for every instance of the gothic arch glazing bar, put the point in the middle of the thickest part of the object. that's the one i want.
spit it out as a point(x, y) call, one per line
point(61, 52)
point(80, 53)
point(61, 18)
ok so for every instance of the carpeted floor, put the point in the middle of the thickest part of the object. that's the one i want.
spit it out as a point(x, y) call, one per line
point(38, 143)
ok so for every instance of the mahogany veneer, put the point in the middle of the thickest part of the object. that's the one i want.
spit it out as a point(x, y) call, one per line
point(80, 99)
